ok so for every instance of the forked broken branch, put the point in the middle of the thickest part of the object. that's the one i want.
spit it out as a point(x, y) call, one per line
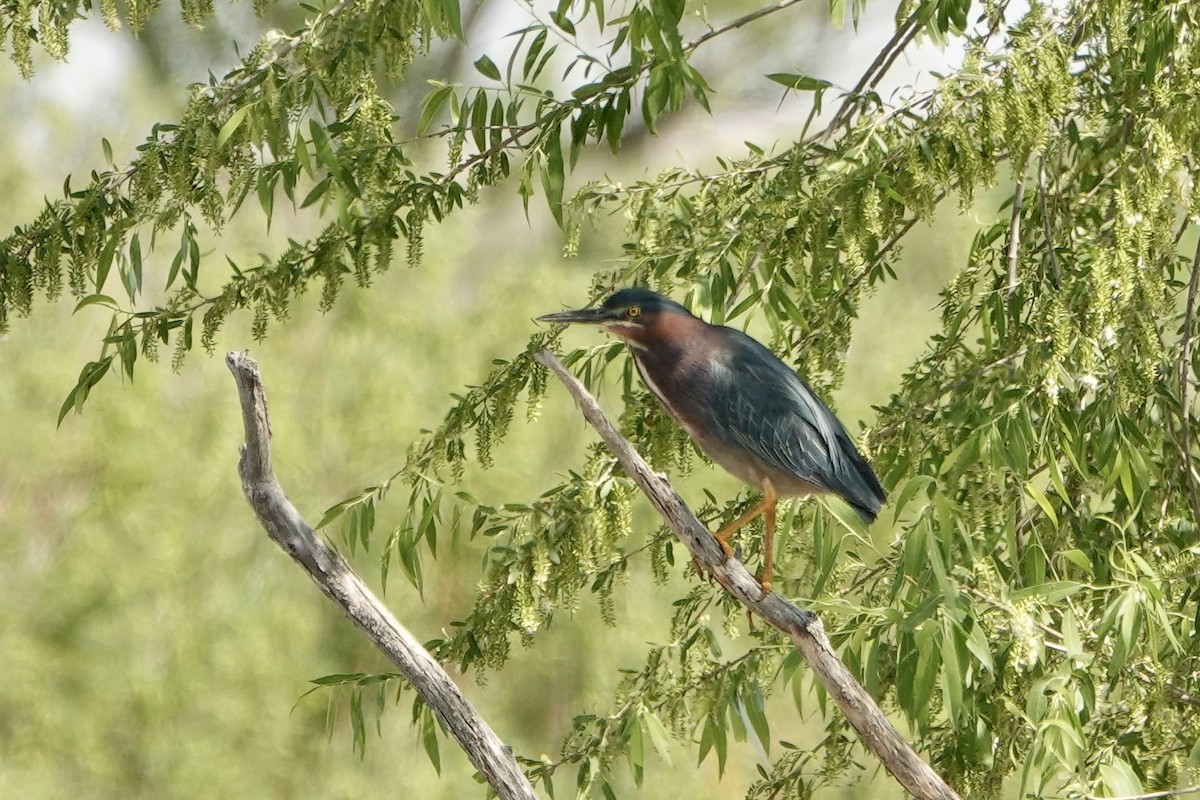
point(338, 581)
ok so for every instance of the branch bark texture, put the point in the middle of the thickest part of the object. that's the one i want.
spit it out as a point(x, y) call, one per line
point(338, 581)
point(802, 627)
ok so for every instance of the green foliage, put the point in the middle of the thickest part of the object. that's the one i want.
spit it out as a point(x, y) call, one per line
point(1028, 604)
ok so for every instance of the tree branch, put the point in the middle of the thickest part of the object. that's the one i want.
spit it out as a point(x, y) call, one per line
point(1185, 384)
point(740, 22)
point(1151, 795)
point(1047, 225)
point(802, 627)
point(902, 38)
point(337, 580)
point(1014, 235)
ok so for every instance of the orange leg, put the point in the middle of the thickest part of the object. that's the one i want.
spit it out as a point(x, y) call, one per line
point(769, 497)
point(729, 530)
point(766, 507)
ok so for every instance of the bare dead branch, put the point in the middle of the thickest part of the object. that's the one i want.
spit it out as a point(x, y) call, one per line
point(802, 627)
point(337, 580)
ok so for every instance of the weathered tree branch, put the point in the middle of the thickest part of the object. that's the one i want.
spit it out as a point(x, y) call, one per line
point(337, 580)
point(802, 627)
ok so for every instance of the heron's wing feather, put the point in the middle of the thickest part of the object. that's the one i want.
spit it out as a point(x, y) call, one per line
point(769, 410)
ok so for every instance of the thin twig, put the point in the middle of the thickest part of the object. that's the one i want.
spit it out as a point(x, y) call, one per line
point(874, 73)
point(283, 523)
point(1149, 795)
point(803, 627)
point(1185, 385)
point(753, 16)
point(1047, 227)
point(1014, 235)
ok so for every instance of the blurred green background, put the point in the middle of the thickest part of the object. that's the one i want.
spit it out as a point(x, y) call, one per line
point(155, 643)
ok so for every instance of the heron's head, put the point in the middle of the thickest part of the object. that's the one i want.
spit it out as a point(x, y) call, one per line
point(635, 315)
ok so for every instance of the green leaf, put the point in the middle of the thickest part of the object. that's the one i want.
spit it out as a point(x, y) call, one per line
point(316, 192)
point(1070, 635)
point(448, 14)
point(487, 68)
point(479, 118)
point(977, 644)
point(1193, 759)
point(952, 676)
point(132, 277)
point(658, 735)
point(429, 738)
point(232, 124)
point(837, 13)
point(1056, 479)
point(913, 486)
point(104, 263)
point(303, 157)
point(588, 90)
point(338, 679)
point(91, 374)
point(433, 103)
point(496, 125)
point(541, 64)
point(706, 741)
point(752, 706)
point(322, 145)
point(636, 753)
point(1038, 496)
point(560, 19)
point(1079, 559)
point(95, 299)
point(553, 174)
point(1051, 592)
point(1119, 778)
point(535, 49)
point(357, 724)
point(800, 83)
point(180, 255)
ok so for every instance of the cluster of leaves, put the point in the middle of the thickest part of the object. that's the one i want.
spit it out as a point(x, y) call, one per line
point(302, 115)
point(47, 24)
point(1034, 620)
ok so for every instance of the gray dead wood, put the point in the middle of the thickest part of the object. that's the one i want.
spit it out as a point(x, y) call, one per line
point(337, 580)
point(802, 627)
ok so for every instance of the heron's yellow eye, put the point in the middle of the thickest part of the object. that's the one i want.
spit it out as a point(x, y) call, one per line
point(633, 312)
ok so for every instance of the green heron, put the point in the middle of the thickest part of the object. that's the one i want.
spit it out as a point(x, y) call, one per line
point(743, 407)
